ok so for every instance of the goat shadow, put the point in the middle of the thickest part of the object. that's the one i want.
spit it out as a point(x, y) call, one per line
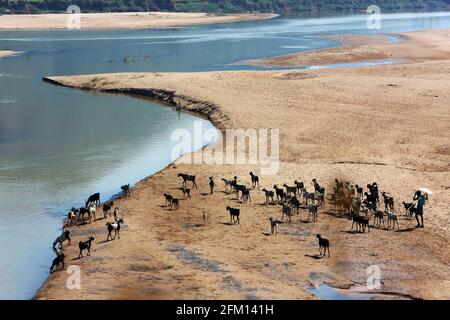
point(352, 231)
point(204, 194)
point(104, 241)
point(314, 256)
point(405, 230)
point(228, 223)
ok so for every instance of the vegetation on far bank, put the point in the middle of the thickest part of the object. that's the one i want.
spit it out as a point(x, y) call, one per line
point(217, 6)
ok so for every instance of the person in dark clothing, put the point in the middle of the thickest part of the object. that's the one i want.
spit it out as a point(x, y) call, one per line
point(420, 198)
point(211, 184)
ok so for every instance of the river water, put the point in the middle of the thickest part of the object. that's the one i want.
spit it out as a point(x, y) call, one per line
point(58, 145)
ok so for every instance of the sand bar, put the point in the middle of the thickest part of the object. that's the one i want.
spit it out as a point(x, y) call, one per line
point(122, 20)
point(6, 53)
point(386, 123)
point(358, 48)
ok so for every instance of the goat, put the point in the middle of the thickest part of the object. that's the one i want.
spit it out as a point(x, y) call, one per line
point(234, 214)
point(410, 209)
point(246, 195)
point(59, 260)
point(81, 213)
point(287, 211)
point(126, 191)
point(186, 192)
point(392, 219)
point(290, 190)
point(388, 202)
point(356, 206)
point(229, 184)
point(319, 198)
point(107, 208)
point(72, 216)
point(361, 223)
point(241, 188)
point(323, 244)
point(269, 195)
point(186, 178)
point(379, 216)
point(295, 204)
point(114, 227)
point(255, 180)
point(65, 235)
point(93, 199)
point(279, 192)
point(85, 245)
point(359, 191)
point(317, 187)
point(314, 211)
point(92, 211)
point(273, 225)
point(175, 205)
point(168, 199)
point(308, 196)
point(300, 185)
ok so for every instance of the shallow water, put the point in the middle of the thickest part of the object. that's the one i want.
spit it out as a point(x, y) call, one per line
point(58, 145)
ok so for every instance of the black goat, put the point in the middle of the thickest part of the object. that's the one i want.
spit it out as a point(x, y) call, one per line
point(234, 214)
point(85, 245)
point(126, 191)
point(168, 199)
point(107, 208)
point(323, 244)
point(273, 225)
point(388, 202)
point(93, 199)
point(186, 178)
point(269, 195)
point(175, 204)
point(255, 180)
point(410, 209)
point(59, 260)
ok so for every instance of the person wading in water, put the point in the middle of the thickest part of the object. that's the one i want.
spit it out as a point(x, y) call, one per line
point(420, 198)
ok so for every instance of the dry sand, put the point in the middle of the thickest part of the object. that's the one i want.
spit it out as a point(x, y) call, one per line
point(122, 20)
point(388, 124)
point(6, 53)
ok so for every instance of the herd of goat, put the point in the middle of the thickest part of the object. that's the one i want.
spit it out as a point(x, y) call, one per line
point(350, 200)
point(85, 215)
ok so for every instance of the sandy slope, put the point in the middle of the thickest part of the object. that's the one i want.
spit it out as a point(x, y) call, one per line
point(121, 20)
point(388, 124)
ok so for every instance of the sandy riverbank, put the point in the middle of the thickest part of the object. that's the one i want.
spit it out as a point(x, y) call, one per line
point(6, 53)
point(387, 124)
point(122, 20)
point(413, 47)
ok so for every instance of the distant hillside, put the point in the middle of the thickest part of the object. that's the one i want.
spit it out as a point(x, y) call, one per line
point(217, 6)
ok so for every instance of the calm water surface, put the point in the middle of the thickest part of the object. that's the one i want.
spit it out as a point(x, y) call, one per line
point(59, 145)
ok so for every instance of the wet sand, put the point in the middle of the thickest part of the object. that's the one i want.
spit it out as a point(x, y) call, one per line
point(413, 47)
point(122, 20)
point(386, 123)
